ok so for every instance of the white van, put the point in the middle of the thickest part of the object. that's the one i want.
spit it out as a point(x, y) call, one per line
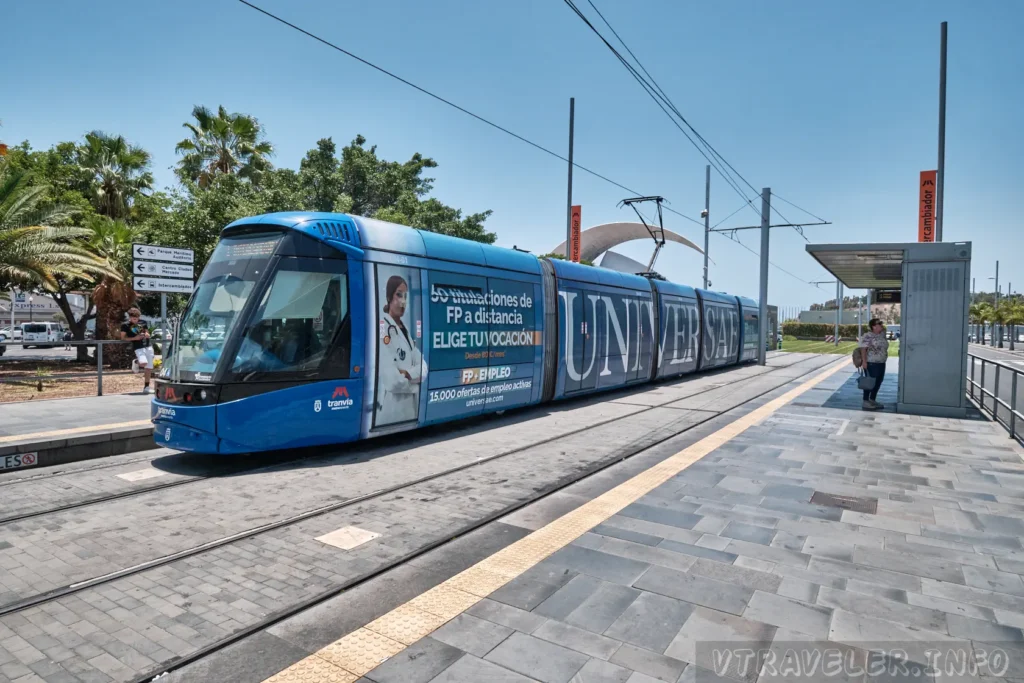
point(43, 335)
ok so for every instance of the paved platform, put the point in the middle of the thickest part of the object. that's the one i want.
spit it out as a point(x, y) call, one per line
point(64, 430)
point(708, 526)
point(918, 551)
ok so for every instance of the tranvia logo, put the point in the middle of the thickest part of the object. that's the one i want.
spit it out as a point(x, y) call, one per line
point(316, 406)
point(343, 401)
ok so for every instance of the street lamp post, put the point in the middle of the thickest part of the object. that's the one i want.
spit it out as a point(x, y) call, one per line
point(30, 309)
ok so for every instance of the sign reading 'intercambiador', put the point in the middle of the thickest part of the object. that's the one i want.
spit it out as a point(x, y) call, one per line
point(156, 284)
point(162, 269)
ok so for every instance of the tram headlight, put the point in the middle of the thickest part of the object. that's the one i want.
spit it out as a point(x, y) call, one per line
point(202, 394)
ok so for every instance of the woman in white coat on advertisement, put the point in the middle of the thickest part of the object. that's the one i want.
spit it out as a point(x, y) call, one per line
point(400, 364)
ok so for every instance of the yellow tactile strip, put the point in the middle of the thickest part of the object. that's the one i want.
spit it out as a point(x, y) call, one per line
point(57, 433)
point(361, 651)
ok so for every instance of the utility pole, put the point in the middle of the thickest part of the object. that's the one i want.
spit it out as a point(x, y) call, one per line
point(839, 307)
point(766, 209)
point(163, 315)
point(568, 200)
point(994, 323)
point(1013, 328)
point(707, 217)
point(940, 177)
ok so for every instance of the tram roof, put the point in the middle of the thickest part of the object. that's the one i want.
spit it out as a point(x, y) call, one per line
point(675, 289)
point(599, 276)
point(374, 234)
point(720, 297)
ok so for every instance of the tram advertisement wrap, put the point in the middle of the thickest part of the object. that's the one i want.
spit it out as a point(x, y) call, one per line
point(400, 364)
point(483, 343)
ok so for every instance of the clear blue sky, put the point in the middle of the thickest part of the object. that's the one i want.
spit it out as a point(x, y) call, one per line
point(832, 105)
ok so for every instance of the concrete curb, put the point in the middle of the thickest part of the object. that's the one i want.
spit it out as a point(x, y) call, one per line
point(87, 446)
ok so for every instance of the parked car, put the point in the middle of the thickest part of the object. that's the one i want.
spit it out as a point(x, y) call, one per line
point(6, 335)
point(42, 335)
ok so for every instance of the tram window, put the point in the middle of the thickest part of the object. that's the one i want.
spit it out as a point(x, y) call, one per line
point(300, 326)
point(749, 332)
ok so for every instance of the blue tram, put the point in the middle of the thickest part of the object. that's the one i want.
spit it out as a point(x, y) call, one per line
point(317, 328)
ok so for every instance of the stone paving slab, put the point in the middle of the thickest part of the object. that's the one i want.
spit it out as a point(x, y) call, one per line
point(933, 566)
point(131, 625)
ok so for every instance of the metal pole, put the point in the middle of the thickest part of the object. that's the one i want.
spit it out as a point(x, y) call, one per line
point(12, 314)
point(1013, 406)
point(766, 207)
point(1013, 328)
point(860, 309)
point(994, 323)
point(568, 202)
point(707, 219)
point(940, 177)
point(99, 368)
point(839, 315)
point(163, 314)
point(838, 285)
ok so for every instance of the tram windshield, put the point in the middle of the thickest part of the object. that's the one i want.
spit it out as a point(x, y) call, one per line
point(234, 269)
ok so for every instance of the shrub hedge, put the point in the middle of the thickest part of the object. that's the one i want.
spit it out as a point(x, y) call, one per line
point(820, 330)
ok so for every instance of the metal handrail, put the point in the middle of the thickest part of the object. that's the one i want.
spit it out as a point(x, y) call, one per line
point(98, 343)
point(1015, 416)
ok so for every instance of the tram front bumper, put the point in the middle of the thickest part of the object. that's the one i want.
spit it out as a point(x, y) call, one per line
point(191, 429)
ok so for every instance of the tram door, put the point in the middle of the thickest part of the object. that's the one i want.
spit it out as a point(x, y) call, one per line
point(401, 369)
point(579, 341)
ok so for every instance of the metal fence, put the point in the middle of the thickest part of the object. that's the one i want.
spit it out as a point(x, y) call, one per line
point(993, 385)
point(98, 374)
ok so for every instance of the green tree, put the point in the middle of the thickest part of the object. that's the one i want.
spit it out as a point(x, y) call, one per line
point(1014, 316)
point(114, 173)
point(986, 314)
point(113, 294)
point(395, 192)
point(321, 179)
point(222, 144)
point(34, 251)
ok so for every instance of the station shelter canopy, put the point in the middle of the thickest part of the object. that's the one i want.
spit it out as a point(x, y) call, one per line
point(933, 278)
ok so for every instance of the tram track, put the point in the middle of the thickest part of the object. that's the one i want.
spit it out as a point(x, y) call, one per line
point(635, 447)
point(277, 460)
point(37, 477)
point(277, 617)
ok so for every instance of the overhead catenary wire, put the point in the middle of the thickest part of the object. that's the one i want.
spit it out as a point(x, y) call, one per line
point(800, 208)
point(656, 92)
point(659, 99)
point(450, 103)
point(488, 122)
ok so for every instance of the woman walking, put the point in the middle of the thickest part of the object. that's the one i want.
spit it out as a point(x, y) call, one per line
point(876, 348)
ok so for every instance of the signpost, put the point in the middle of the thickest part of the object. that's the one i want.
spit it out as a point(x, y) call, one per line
point(157, 253)
point(926, 208)
point(142, 283)
point(575, 225)
point(162, 269)
point(157, 269)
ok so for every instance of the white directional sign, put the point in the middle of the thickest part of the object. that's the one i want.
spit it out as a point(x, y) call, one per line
point(157, 269)
point(158, 253)
point(157, 284)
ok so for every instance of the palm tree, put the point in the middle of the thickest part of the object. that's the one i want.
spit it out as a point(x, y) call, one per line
point(114, 171)
point(988, 315)
point(32, 251)
point(1014, 316)
point(975, 313)
point(114, 294)
point(222, 144)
